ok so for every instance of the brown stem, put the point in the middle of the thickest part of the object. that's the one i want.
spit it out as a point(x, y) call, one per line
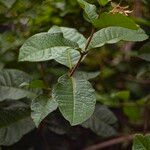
point(77, 65)
point(111, 142)
point(82, 53)
point(90, 38)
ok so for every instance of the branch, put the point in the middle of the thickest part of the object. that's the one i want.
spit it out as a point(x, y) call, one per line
point(77, 65)
point(83, 53)
point(111, 142)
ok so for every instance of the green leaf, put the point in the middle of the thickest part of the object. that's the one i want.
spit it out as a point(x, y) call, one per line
point(15, 132)
point(76, 98)
point(57, 124)
point(144, 52)
point(33, 84)
point(106, 100)
point(133, 112)
point(111, 35)
point(103, 2)
point(107, 19)
point(87, 75)
point(9, 116)
point(41, 107)
point(145, 56)
point(70, 34)
point(10, 80)
point(14, 123)
point(123, 95)
point(40, 46)
point(89, 10)
point(66, 56)
point(102, 122)
point(141, 142)
point(8, 3)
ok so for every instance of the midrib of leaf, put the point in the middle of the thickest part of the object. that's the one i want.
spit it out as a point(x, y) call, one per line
point(73, 92)
point(69, 58)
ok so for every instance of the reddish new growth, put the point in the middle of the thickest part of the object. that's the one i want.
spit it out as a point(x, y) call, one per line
point(119, 9)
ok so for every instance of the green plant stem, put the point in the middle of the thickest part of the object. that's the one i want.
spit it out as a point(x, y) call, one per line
point(82, 53)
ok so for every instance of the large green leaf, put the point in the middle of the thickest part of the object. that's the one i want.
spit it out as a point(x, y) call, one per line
point(41, 107)
point(14, 122)
point(40, 46)
point(102, 122)
point(141, 142)
point(111, 35)
point(107, 19)
point(15, 132)
point(76, 98)
point(10, 81)
point(70, 34)
point(89, 10)
point(11, 115)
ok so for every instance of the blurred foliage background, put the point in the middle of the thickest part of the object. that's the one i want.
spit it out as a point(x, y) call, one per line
point(123, 84)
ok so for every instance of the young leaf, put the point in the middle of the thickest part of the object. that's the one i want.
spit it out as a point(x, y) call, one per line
point(76, 98)
point(141, 142)
point(41, 107)
point(133, 112)
point(123, 95)
point(107, 19)
point(70, 34)
point(111, 35)
point(103, 2)
point(89, 10)
point(33, 84)
point(10, 81)
point(102, 122)
point(40, 46)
